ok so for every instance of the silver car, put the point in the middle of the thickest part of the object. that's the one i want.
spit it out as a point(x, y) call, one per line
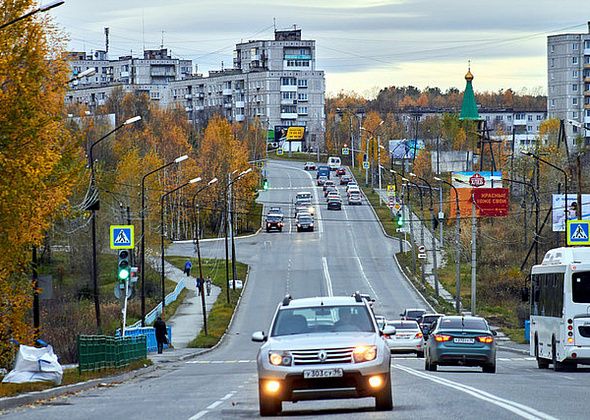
point(323, 348)
point(408, 338)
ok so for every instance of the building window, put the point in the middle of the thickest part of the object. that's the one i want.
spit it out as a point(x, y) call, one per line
point(552, 63)
point(288, 81)
point(575, 46)
point(574, 115)
point(539, 118)
point(586, 44)
point(302, 110)
point(574, 60)
point(575, 74)
point(302, 83)
point(553, 48)
point(574, 101)
point(509, 117)
point(574, 87)
point(302, 96)
point(499, 118)
point(529, 128)
point(530, 117)
point(552, 103)
point(575, 129)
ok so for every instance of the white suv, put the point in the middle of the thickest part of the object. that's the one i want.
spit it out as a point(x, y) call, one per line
point(323, 348)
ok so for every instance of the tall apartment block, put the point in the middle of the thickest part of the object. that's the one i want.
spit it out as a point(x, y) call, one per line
point(568, 72)
point(275, 81)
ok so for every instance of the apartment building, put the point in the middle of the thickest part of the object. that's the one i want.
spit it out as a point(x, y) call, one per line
point(568, 77)
point(275, 81)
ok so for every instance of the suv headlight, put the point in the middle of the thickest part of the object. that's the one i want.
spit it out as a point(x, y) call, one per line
point(280, 358)
point(364, 353)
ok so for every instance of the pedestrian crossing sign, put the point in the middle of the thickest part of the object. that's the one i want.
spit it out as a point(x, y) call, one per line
point(578, 232)
point(122, 237)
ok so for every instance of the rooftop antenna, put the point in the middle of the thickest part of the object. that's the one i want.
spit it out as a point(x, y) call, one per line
point(222, 66)
point(162, 45)
point(106, 36)
point(274, 24)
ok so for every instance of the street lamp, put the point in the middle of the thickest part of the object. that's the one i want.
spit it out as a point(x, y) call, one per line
point(86, 73)
point(359, 116)
point(162, 198)
point(42, 8)
point(367, 152)
point(540, 159)
point(196, 223)
point(457, 245)
point(93, 205)
point(227, 222)
point(142, 212)
point(434, 256)
point(421, 224)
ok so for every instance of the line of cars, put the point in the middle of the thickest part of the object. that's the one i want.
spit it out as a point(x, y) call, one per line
point(443, 340)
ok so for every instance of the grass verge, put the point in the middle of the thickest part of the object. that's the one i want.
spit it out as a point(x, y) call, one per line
point(222, 311)
point(71, 376)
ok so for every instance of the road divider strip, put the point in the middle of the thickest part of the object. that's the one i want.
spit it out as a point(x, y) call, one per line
point(521, 410)
point(329, 289)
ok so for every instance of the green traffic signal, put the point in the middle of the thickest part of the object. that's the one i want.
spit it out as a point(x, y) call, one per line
point(265, 184)
point(399, 220)
point(123, 270)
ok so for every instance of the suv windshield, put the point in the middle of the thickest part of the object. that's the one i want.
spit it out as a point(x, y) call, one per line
point(322, 319)
point(273, 218)
point(414, 314)
point(463, 324)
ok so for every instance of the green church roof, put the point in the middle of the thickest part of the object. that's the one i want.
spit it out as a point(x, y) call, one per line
point(469, 106)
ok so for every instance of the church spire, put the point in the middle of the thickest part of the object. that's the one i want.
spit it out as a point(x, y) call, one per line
point(469, 106)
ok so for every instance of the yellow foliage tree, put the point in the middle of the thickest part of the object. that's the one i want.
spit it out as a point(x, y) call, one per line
point(37, 156)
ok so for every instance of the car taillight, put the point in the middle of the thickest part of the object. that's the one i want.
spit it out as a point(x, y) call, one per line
point(419, 335)
point(441, 337)
point(486, 339)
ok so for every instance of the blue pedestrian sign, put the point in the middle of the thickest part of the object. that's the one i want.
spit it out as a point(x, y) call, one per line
point(578, 232)
point(122, 237)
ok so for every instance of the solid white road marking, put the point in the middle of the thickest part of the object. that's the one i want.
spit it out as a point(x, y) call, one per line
point(228, 396)
point(198, 415)
point(512, 406)
point(329, 290)
point(214, 405)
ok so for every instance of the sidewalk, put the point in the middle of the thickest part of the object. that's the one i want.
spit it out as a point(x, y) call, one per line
point(423, 236)
point(187, 322)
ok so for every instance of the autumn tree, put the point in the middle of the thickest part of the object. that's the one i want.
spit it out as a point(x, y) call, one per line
point(37, 156)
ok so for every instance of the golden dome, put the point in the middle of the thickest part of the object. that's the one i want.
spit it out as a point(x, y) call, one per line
point(469, 76)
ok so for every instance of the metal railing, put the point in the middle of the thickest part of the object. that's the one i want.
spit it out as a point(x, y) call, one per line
point(153, 314)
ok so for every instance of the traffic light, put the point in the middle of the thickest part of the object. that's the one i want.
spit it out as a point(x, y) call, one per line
point(399, 219)
point(123, 268)
point(265, 184)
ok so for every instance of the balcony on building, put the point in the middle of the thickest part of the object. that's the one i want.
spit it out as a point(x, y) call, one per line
point(227, 105)
point(188, 108)
point(288, 88)
point(240, 117)
point(520, 121)
point(288, 101)
point(199, 108)
point(586, 51)
point(587, 65)
point(124, 74)
point(188, 96)
point(200, 95)
point(162, 71)
point(288, 115)
point(227, 92)
point(240, 104)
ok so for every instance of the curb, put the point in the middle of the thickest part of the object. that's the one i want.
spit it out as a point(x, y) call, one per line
point(192, 241)
point(231, 321)
point(8, 403)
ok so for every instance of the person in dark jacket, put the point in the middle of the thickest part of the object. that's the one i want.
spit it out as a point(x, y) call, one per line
point(161, 339)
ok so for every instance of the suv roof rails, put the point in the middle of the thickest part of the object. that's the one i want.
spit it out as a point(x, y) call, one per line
point(287, 299)
point(357, 296)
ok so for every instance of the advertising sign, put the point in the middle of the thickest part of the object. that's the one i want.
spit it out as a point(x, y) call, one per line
point(470, 179)
point(285, 133)
point(559, 214)
point(491, 202)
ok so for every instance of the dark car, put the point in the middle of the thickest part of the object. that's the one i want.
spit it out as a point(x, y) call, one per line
point(412, 313)
point(341, 171)
point(345, 179)
point(334, 204)
point(305, 223)
point(426, 320)
point(274, 222)
point(330, 189)
point(461, 340)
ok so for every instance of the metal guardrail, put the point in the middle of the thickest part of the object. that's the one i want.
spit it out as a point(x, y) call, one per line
point(153, 314)
point(97, 352)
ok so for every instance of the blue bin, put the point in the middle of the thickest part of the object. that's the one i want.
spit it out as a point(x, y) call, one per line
point(150, 335)
point(527, 330)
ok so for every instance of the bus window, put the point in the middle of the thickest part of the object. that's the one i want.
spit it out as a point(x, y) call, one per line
point(581, 287)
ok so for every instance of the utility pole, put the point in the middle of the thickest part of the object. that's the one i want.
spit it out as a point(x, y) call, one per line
point(225, 230)
point(473, 255)
point(379, 165)
point(579, 198)
point(411, 217)
point(233, 243)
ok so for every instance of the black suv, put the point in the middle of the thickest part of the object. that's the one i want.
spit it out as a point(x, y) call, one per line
point(274, 222)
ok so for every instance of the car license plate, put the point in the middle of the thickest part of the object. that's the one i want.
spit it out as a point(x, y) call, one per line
point(322, 373)
point(464, 340)
point(402, 337)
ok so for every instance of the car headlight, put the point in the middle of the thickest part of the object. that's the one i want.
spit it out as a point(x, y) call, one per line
point(364, 353)
point(280, 358)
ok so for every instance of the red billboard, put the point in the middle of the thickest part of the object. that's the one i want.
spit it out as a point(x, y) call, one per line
point(491, 202)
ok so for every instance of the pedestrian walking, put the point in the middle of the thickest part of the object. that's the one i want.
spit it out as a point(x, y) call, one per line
point(208, 285)
point(187, 267)
point(199, 285)
point(161, 334)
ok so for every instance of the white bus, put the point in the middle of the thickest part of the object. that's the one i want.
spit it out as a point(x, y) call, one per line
point(334, 162)
point(560, 309)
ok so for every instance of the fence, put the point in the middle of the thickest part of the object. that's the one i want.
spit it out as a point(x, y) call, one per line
point(153, 314)
point(150, 335)
point(96, 352)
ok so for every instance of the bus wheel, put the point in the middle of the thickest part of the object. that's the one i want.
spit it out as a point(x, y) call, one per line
point(557, 366)
point(541, 363)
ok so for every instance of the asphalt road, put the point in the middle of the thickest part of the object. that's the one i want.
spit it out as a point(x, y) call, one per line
point(347, 252)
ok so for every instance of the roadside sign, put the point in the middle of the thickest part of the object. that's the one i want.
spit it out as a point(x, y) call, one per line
point(345, 151)
point(122, 237)
point(422, 256)
point(578, 232)
point(391, 190)
point(365, 165)
point(421, 249)
point(397, 207)
point(279, 151)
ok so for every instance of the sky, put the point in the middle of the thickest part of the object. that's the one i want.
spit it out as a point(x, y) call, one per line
point(362, 45)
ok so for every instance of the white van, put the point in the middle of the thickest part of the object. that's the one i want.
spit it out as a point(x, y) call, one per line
point(334, 162)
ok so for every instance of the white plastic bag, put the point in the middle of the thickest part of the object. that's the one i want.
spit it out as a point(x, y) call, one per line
point(35, 365)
